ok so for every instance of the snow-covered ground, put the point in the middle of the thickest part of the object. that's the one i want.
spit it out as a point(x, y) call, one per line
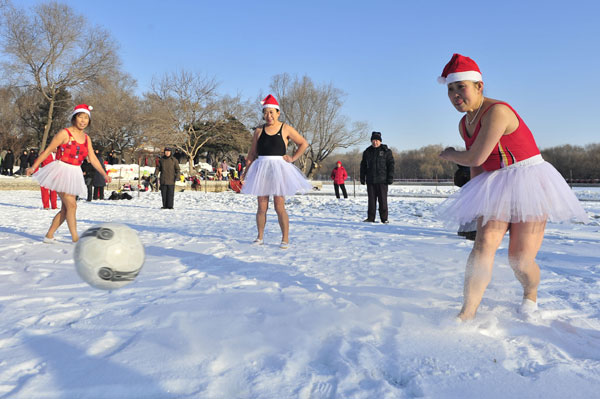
point(350, 310)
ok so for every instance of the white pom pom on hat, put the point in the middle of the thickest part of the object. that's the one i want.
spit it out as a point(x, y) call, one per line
point(460, 68)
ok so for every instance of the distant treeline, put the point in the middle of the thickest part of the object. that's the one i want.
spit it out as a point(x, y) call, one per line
point(576, 163)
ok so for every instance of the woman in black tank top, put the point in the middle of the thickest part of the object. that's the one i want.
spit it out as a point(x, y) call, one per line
point(271, 144)
point(270, 171)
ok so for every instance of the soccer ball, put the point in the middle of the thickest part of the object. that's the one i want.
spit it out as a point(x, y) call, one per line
point(109, 256)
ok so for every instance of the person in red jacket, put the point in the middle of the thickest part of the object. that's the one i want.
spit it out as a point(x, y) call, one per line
point(339, 176)
point(48, 196)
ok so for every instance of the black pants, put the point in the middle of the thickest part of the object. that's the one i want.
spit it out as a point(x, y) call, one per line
point(377, 193)
point(337, 190)
point(90, 189)
point(168, 192)
point(98, 192)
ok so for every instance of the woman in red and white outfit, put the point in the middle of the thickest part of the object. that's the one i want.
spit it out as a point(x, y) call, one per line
point(64, 175)
point(511, 189)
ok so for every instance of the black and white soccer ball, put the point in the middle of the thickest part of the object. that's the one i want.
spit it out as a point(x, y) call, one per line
point(109, 256)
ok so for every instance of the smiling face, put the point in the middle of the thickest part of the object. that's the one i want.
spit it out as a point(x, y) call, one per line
point(82, 120)
point(270, 115)
point(465, 95)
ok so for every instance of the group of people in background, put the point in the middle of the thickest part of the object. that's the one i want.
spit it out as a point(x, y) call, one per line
point(510, 188)
point(94, 180)
point(8, 161)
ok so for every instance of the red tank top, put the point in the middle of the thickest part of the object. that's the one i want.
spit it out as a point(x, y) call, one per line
point(512, 148)
point(73, 152)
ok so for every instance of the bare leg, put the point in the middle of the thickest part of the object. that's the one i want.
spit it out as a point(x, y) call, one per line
point(478, 272)
point(57, 220)
point(525, 242)
point(261, 215)
point(282, 217)
point(67, 212)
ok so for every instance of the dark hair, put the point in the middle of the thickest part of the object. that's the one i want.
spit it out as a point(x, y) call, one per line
point(75, 115)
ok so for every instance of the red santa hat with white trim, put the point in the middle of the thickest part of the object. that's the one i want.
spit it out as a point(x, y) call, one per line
point(460, 68)
point(82, 108)
point(270, 102)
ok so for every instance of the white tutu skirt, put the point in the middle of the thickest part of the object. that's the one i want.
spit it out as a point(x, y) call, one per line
point(528, 191)
point(271, 175)
point(62, 178)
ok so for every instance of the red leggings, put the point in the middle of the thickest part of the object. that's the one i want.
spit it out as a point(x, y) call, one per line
point(47, 197)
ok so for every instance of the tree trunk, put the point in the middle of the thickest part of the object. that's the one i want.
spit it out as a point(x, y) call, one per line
point(49, 123)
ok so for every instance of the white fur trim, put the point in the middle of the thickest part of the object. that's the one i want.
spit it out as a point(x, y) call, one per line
point(467, 75)
point(271, 106)
point(80, 110)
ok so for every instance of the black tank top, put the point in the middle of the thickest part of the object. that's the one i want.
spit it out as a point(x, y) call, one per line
point(271, 145)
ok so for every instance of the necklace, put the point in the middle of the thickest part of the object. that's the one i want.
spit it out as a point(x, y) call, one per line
point(477, 113)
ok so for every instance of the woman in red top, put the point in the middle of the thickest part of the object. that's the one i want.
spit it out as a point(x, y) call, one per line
point(339, 176)
point(64, 175)
point(511, 188)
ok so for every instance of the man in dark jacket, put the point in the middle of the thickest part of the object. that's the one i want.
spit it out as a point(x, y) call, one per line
point(88, 177)
point(8, 162)
point(98, 180)
point(168, 171)
point(23, 162)
point(377, 170)
point(32, 156)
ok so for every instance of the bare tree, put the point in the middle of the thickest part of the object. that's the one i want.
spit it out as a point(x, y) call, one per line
point(53, 49)
point(184, 110)
point(117, 112)
point(33, 112)
point(10, 135)
point(315, 111)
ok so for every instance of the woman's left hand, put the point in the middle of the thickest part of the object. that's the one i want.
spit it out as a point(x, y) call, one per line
point(287, 158)
point(107, 178)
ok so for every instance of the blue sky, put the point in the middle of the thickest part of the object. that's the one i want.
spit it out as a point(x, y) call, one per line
point(543, 57)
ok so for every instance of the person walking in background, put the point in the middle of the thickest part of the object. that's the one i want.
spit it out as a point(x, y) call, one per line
point(271, 171)
point(377, 171)
point(31, 157)
point(512, 188)
point(9, 162)
point(88, 177)
point(72, 145)
point(241, 165)
point(168, 173)
point(49, 197)
point(23, 162)
point(98, 179)
point(339, 176)
point(112, 159)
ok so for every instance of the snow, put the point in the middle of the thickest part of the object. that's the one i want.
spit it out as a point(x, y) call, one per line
point(350, 310)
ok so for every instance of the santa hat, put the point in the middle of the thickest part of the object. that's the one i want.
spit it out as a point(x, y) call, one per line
point(82, 108)
point(270, 102)
point(460, 68)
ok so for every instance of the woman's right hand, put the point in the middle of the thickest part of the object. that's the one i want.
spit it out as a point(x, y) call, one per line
point(28, 171)
point(446, 153)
